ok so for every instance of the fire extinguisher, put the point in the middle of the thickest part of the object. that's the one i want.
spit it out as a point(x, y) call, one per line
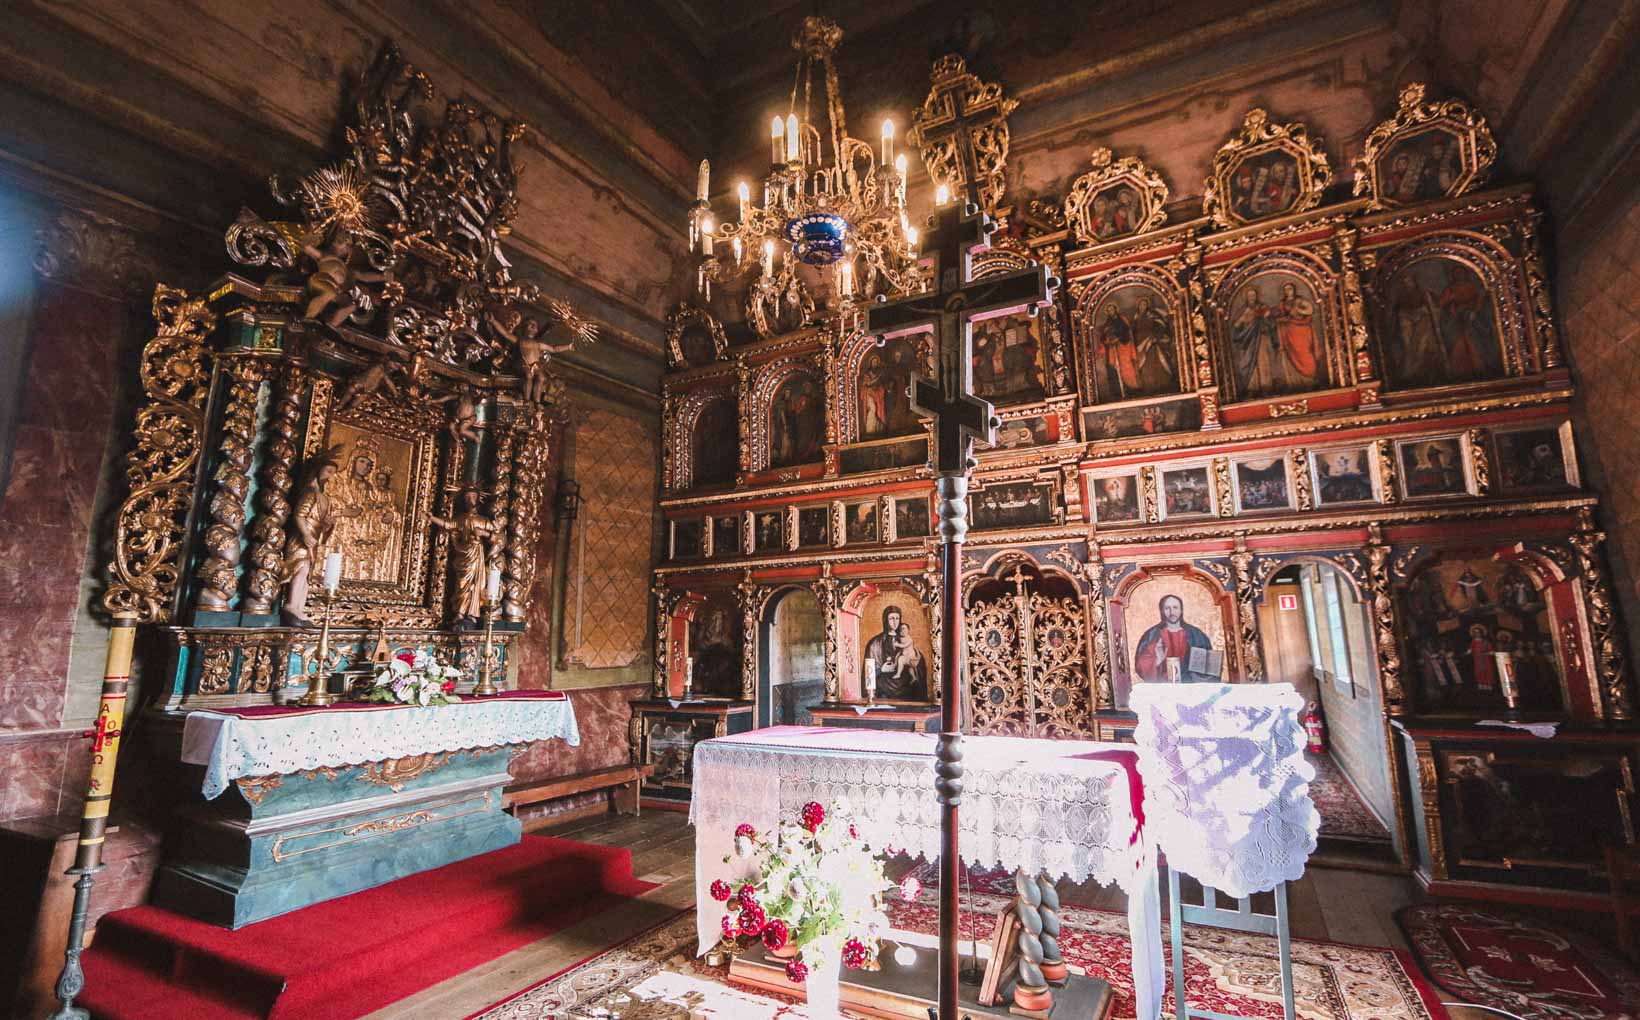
point(1315, 725)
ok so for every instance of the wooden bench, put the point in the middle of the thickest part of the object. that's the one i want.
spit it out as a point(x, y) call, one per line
point(623, 781)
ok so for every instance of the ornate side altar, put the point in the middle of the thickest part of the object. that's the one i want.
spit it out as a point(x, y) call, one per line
point(367, 395)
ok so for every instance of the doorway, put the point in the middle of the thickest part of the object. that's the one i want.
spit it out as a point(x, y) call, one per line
point(1027, 658)
point(792, 654)
point(1317, 636)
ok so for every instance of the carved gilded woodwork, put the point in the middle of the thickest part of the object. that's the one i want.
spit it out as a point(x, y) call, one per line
point(828, 593)
point(959, 103)
point(1247, 592)
point(94, 253)
point(1266, 170)
point(1601, 612)
point(1027, 659)
point(254, 788)
point(1429, 797)
point(1429, 149)
point(688, 319)
point(267, 531)
point(395, 773)
point(1117, 198)
point(170, 429)
point(1122, 297)
point(1537, 286)
point(1386, 636)
point(218, 573)
point(1363, 367)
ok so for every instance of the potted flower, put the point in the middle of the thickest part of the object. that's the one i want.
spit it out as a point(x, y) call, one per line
point(413, 678)
point(816, 900)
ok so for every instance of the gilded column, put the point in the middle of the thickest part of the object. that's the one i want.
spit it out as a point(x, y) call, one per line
point(529, 466)
point(1355, 308)
point(503, 508)
point(663, 637)
point(1537, 285)
point(1383, 622)
point(1104, 697)
point(1252, 652)
point(750, 598)
point(1602, 614)
point(827, 591)
point(743, 408)
point(267, 547)
point(936, 622)
point(218, 574)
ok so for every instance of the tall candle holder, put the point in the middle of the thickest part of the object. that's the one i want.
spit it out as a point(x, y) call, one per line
point(689, 679)
point(318, 693)
point(486, 687)
point(871, 682)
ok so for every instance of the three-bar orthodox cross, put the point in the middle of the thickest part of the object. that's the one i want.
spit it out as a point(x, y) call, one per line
point(949, 309)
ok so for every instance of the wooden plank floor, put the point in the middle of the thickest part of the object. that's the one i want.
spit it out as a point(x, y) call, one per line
point(1336, 905)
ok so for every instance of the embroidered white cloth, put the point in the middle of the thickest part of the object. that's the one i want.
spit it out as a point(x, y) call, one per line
point(1227, 789)
point(1056, 806)
point(231, 746)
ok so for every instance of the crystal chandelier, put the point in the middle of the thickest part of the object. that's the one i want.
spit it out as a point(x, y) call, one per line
point(841, 213)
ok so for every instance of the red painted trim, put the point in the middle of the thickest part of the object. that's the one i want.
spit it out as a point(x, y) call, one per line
point(1318, 403)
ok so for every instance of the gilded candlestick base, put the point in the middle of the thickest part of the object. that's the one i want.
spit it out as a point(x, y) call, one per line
point(318, 693)
point(485, 687)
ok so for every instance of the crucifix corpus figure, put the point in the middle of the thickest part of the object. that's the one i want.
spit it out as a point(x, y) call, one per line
point(949, 309)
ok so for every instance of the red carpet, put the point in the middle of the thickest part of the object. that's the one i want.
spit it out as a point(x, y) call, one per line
point(1343, 813)
point(348, 956)
point(1533, 969)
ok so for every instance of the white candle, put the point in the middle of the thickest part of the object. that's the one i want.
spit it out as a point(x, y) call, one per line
point(706, 228)
point(333, 571)
point(703, 180)
point(888, 142)
point(942, 195)
point(735, 243)
point(777, 141)
point(768, 258)
point(492, 590)
point(745, 199)
point(793, 139)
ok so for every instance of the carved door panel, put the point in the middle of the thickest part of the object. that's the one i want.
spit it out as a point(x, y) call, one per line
point(995, 664)
point(1027, 660)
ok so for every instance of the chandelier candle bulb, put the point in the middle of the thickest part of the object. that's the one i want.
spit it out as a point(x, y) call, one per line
point(703, 180)
point(706, 228)
point(745, 191)
point(333, 571)
point(888, 142)
point(793, 142)
point(768, 258)
point(777, 141)
point(942, 195)
point(734, 243)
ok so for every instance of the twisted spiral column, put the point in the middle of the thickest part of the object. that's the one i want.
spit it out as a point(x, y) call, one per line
point(1031, 991)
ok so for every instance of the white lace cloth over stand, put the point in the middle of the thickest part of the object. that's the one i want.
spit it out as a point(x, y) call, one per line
point(1031, 804)
point(230, 747)
point(1227, 789)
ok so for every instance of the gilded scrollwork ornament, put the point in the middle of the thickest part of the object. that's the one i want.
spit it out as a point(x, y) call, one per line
point(750, 596)
point(1537, 286)
point(1611, 670)
point(218, 572)
point(1385, 635)
point(1428, 149)
point(1223, 491)
point(1265, 170)
point(960, 101)
point(169, 432)
point(1247, 591)
point(1116, 198)
point(267, 531)
point(1303, 488)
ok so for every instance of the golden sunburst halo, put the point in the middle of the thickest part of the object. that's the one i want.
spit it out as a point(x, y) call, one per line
point(584, 330)
point(338, 199)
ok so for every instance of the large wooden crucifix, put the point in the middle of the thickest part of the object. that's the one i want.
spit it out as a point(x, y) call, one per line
point(949, 310)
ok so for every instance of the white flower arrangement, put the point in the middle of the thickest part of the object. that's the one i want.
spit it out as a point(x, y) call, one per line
point(414, 679)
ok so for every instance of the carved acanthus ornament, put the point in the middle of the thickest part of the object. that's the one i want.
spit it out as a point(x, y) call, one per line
point(1537, 287)
point(1094, 222)
point(1384, 452)
point(1148, 497)
point(827, 592)
point(1303, 491)
point(1383, 621)
point(169, 431)
point(1355, 307)
point(1481, 460)
point(93, 253)
point(961, 102)
point(1195, 287)
point(1223, 492)
point(1247, 590)
point(1611, 670)
point(750, 596)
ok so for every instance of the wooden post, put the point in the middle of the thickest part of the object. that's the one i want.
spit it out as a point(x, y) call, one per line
point(949, 310)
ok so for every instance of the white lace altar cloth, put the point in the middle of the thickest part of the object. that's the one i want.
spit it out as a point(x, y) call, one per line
point(1041, 805)
point(230, 746)
point(1227, 789)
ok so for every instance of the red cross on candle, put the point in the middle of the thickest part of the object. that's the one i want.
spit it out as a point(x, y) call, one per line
point(102, 735)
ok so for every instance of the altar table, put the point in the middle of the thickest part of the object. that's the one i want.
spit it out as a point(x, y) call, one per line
point(335, 800)
point(1070, 809)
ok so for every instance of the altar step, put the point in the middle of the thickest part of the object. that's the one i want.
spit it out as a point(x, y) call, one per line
point(349, 956)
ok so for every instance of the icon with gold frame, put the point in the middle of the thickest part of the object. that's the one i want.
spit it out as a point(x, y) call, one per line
point(1117, 198)
point(1428, 150)
point(1266, 170)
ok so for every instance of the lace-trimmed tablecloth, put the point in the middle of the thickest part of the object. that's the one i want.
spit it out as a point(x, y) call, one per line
point(230, 747)
point(1227, 789)
point(1041, 805)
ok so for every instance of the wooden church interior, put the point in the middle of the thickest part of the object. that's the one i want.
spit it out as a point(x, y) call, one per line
point(537, 343)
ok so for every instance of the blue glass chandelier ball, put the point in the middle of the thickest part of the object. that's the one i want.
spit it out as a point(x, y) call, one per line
point(818, 239)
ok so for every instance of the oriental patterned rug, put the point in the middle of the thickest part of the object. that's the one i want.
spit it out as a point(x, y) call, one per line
point(1343, 813)
point(1535, 970)
point(656, 976)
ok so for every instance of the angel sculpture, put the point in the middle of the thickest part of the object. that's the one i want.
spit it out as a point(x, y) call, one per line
point(367, 382)
point(534, 352)
point(464, 419)
point(328, 286)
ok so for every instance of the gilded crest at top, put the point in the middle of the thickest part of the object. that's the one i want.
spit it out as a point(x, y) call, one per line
point(1266, 170)
point(959, 101)
point(694, 337)
point(1427, 150)
point(1117, 198)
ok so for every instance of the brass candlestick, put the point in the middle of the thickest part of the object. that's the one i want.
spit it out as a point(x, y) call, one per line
point(485, 687)
point(318, 692)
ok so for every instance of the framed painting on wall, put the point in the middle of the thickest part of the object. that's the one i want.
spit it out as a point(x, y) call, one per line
point(1186, 492)
point(1262, 483)
point(1434, 467)
point(1535, 459)
point(1116, 498)
point(860, 523)
point(1344, 475)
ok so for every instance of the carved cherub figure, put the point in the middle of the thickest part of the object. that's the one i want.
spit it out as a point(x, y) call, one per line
point(333, 274)
point(464, 419)
point(373, 378)
point(534, 351)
